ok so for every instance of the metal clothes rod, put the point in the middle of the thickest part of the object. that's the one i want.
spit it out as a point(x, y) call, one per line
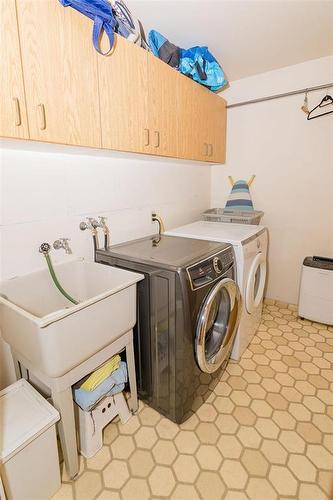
point(279, 96)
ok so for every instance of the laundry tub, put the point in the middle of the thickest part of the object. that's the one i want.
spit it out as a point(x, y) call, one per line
point(29, 462)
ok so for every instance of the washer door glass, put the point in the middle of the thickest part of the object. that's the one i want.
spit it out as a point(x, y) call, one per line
point(256, 283)
point(217, 325)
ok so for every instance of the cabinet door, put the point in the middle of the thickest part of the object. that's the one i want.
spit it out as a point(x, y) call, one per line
point(13, 116)
point(191, 118)
point(162, 108)
point(60, 73)
point(123, 97)
point(218, 141)
point(196, 108)
point(213, 127)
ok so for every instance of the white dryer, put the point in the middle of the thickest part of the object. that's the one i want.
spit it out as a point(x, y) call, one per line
point(250, 247)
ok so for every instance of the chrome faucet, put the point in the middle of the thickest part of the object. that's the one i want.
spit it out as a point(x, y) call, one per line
point(103, 225)
point(158, 219)
point(106, 231)
point(62, 243)
point(93, 224)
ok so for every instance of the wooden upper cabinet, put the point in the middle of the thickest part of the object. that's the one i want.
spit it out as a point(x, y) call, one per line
point(213, 111)
point(13, 115)
point(202, 118)
point(56, 88)
point(187, 114)
point(193, 119)
point(162, 108)
point(124, 97)
point(60, 73)
point(218, 150)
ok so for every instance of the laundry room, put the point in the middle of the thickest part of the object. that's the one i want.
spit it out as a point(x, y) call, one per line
point(166, 249)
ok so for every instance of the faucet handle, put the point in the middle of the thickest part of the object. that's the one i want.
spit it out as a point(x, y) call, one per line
point(62, 243)
point(103, 224)
point(93, 222)
point(45, 248)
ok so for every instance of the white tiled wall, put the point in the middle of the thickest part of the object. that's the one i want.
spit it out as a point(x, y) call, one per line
point(45, 191)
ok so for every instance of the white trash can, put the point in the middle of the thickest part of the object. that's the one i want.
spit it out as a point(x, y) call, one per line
point(316, 290)
point(29, 462)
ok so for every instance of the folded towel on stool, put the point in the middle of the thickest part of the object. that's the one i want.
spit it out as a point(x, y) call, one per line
point(98, 376)
point(111, 385)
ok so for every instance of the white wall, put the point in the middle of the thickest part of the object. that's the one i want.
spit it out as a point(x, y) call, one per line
point(45, 191)
point(293, 161)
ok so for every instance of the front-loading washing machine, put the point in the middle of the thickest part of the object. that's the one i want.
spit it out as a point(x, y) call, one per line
point(250, 246)
point(188, 313)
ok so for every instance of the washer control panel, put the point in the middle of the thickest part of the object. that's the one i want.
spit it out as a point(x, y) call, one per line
point(217, 264)
point(211, 269)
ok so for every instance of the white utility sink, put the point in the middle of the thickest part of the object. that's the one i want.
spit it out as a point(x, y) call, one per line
point(52, 333)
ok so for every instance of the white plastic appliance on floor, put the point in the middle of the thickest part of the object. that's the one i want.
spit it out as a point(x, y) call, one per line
point(92, 423)
point(316, 290)
point(29, 461)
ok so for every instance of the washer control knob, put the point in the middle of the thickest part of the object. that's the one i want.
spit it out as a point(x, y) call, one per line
point(217, 264)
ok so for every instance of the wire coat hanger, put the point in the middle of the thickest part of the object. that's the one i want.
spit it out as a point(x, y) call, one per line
point(326, 101)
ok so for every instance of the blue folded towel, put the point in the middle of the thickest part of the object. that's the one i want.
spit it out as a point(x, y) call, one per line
point(111, 385)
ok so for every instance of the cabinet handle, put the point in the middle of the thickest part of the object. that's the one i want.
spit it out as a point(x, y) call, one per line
point(42, 119)
point(157, 139)
point(146, 130)
point(18, 120)
point(206, 149)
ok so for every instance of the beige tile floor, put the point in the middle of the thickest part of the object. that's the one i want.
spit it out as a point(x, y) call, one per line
point(265, 433)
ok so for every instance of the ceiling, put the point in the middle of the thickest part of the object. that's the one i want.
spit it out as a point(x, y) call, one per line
point(248, 37)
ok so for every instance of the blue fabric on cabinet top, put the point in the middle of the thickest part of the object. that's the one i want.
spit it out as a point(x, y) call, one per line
point(163, 49)
point(196, 63)
point(156, 40)
point(200, 65)
point(100, 11)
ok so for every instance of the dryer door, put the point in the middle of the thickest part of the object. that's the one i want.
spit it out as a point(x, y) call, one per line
point(256, 283)
point(217, 325)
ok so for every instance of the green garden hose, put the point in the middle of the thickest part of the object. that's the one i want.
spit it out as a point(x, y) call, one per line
point(55, 279)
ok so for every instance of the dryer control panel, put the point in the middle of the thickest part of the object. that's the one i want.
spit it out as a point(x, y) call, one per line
point(211, 269)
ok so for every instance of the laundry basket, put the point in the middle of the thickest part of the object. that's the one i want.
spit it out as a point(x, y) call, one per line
point(235, 216)
point(29, 462)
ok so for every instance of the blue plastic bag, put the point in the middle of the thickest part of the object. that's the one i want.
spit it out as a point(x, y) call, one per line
point(196, 63)
point(163, 49)
point(100, 11)
point(200, 65)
